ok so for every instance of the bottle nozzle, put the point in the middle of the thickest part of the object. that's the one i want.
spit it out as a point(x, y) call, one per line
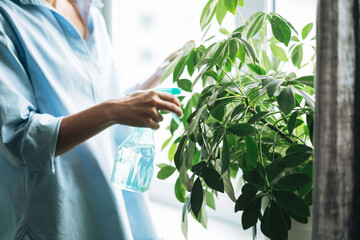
point(173, 91)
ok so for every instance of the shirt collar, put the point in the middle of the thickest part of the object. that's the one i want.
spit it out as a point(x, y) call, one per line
point(82, 5)
point(97, 3)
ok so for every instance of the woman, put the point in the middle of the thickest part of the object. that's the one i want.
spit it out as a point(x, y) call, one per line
point(58, 97)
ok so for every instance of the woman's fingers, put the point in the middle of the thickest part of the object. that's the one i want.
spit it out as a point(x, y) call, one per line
point(169, 97)
point(154, 125)
point(169, 107)
point(158, 117)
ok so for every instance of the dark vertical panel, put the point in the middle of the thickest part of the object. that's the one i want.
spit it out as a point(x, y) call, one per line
point(355, 231)
point(334, 117)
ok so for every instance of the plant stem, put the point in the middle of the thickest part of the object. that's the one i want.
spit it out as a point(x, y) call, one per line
point(272, 127)
point(240, 15)
point(232, 81)
point(238, 75)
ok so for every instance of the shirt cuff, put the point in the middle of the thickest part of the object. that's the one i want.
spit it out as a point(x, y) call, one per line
point(39, 143)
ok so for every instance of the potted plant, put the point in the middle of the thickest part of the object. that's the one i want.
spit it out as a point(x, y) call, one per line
point(249, 118)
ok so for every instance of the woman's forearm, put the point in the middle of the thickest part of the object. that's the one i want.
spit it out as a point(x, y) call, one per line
point(77, 128)
point(139, 109)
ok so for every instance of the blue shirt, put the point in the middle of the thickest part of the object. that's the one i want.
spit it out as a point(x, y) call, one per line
point(47, 71)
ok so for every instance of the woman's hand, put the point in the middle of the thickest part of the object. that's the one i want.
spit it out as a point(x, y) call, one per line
point(140, 109)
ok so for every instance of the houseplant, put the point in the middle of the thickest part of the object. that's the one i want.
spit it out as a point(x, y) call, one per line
point(249, 118)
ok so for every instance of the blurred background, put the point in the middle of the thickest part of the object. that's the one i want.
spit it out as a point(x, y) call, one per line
point(144, 33)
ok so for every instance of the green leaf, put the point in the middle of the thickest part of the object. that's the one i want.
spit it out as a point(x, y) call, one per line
point(274, 169)
point(308, 198)
point(299, 219)
point(210, 201)
point(237, 33)
point(179, 68)
point(231, 5)
point(298, 148)
point(242, 129)
point(274, 86)
point(277, 224)
point(184, 220)
point(306, 30)
point(248, 50)
point(251, 150)
point(309, 99)
point(241, 55)
point(233, 48)
point(296, 159)
point(203, 62)
point(196, 197)
point(295, 39)
point(172, 151)
point(245, 199)
point(256, 69)
point(295, 180)
point(212, 74)
point(229, 189)
point(248, 187)
point(265, 222)
point(220, 11)
point(212, 179)
point(180, 190)
point(306, 80)
point(292, 121)
point(297, 55)
point(254, 24)
point(224, 31)
point(194, 122)
point(207, 14)
point(202, 217)
point(188, 47)
point(254, 176)
point(308, 170)
point(278, 52)
point(287, 218)
point(292, 203)
point(185, 85)
point(280, 29)
point(197, 167)
point(178, 158)
point(166, 143)
point(173, 126)
point(166, 172)
point(251, 213)
point(219, 54)
point(225, 156)
point(265, 61)
point(191, 62)
point(286, 100)
point(257, 117)
point(241, 3)
point(218, 112)
point(238, 109)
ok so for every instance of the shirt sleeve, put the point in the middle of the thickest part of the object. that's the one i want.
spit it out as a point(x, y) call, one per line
point(27, 137)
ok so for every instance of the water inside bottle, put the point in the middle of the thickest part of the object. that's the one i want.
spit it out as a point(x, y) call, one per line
point(133, 168)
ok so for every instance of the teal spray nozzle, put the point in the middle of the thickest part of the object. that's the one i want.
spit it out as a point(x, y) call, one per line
point(173, 91)
point(134, 163)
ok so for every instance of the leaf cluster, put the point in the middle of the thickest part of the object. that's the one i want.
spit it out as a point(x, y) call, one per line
point(249, 118)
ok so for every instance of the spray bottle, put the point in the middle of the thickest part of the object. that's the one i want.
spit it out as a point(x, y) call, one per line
point(134, 163)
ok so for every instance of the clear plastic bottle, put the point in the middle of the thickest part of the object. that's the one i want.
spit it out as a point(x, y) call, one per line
point(134, 163)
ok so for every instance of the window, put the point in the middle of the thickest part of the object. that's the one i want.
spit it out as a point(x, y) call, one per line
point(143, 34)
